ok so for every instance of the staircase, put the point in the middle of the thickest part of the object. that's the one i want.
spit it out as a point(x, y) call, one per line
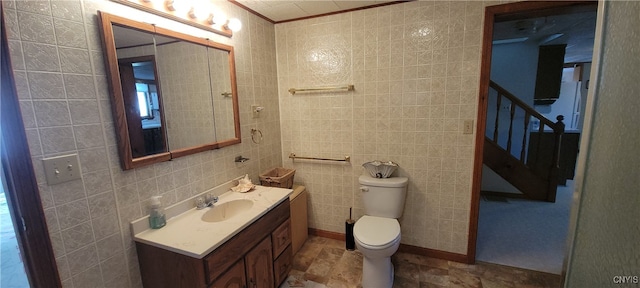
point(523, 146)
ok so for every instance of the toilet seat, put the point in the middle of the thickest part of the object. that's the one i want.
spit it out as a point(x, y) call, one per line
point(376, 232)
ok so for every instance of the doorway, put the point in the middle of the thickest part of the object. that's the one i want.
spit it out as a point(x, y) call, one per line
point(22, 194)
point(12, 272)
point(504, 230)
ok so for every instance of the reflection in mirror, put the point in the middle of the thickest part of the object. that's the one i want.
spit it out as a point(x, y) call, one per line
point(186, 93)
point(137, 65)
point(221, 92)
point(172, 94)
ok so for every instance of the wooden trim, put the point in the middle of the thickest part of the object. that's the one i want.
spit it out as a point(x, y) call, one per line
point(444, 255)
point(327, 234)
point(118, 104)
point(405, 248)
point(344, 11)
point(252, 11)
point(517, 9)
point(22, 188)
point(181, 36)
point(316, 16)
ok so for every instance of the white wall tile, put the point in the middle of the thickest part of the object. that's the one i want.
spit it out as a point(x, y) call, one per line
point(409, 92)
point(79, 86)
point(51, 113)
point(91, 277)
point(41, 57)
point(82, 258)
point(75, 60)
point(77, 237)
point(72, 214)
point(46, 85)
point(36, 28)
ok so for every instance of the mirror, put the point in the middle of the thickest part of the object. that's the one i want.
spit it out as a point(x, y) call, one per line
point(172, 94)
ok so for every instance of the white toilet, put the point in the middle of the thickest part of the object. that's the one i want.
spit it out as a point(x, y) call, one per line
point(377, 233)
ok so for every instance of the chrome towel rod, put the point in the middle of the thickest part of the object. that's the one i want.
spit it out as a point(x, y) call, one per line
point(350, 87)
point(346, 158)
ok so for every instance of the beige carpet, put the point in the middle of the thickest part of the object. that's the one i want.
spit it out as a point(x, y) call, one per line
point(525, 234)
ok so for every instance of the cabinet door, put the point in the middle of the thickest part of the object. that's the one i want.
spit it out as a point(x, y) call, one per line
point(233, 278)
point(281, 238)
point(259, 265)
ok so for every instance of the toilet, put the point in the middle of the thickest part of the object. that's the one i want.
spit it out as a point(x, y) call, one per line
point(377, 233)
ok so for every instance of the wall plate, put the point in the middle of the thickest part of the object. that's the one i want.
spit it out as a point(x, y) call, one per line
point(467, 127)
point(61, 169)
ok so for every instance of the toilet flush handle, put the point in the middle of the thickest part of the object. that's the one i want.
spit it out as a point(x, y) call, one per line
point(364, 188)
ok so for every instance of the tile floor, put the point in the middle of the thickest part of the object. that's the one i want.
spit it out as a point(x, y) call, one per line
point(326, 261)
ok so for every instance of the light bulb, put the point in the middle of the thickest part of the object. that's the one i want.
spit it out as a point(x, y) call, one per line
point(201, 10)
point(234, 24)
point(178, 6)
point(156, 3)
point(219, 17)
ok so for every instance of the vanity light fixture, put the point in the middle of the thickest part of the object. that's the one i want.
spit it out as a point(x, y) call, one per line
point(201, 10)
point(177, 6)
point(198, 13)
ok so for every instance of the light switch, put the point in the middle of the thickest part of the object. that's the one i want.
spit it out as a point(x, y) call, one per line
point(468, 127)
point(61, 169)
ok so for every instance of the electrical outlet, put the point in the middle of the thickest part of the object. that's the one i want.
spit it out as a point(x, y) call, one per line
point(468, 127)
point(61, 169)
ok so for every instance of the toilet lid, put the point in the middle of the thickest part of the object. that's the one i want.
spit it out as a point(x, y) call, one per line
point(376, 231)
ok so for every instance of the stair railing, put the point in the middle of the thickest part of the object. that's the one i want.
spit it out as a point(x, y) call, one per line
point(549, 173)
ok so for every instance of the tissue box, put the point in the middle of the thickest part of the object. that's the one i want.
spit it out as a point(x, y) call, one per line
point(278, 177)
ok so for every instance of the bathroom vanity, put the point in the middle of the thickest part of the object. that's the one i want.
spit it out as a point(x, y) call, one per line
point(250, 249)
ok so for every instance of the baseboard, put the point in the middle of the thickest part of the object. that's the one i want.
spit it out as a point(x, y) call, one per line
point(327, 234)
point(405, 248)
point(444, 255)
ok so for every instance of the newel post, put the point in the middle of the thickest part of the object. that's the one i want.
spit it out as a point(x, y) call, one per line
point(554, 170)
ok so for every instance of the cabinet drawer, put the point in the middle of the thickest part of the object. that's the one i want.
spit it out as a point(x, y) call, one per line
point(281, 237)
point(282, 266)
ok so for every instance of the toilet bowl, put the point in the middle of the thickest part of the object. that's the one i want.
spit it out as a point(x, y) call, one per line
point(377, 238)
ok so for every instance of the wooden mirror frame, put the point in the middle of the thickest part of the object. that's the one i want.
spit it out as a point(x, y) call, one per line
point(127, 161)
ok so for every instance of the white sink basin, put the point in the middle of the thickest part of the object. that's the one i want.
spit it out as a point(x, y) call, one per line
point(227, 210)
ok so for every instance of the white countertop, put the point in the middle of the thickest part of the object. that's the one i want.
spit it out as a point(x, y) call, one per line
point(187, 234)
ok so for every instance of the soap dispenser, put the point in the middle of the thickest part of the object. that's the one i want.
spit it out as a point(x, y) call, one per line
point(156, 213)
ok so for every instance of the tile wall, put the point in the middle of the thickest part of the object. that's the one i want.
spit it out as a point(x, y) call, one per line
point(415, 67)
point(63, 92)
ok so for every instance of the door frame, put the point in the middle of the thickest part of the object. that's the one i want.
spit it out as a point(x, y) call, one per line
point(23, 196)
point(503, 12)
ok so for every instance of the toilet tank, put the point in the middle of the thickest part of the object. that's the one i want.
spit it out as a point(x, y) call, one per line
point(383, 197)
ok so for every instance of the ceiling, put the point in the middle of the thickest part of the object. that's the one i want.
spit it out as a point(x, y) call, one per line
point(282, 11)
point(577, 30)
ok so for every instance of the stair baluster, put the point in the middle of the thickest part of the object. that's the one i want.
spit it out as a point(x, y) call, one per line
point(530, 172)
point(527, 117)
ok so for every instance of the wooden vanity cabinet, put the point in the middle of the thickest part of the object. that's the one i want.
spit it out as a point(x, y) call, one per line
point(251, 258)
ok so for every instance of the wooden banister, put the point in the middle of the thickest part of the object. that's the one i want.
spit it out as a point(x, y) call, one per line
point(515, 100)
point(546, 168)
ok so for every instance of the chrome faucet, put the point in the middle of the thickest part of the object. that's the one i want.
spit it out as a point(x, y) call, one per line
point(207, 201)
